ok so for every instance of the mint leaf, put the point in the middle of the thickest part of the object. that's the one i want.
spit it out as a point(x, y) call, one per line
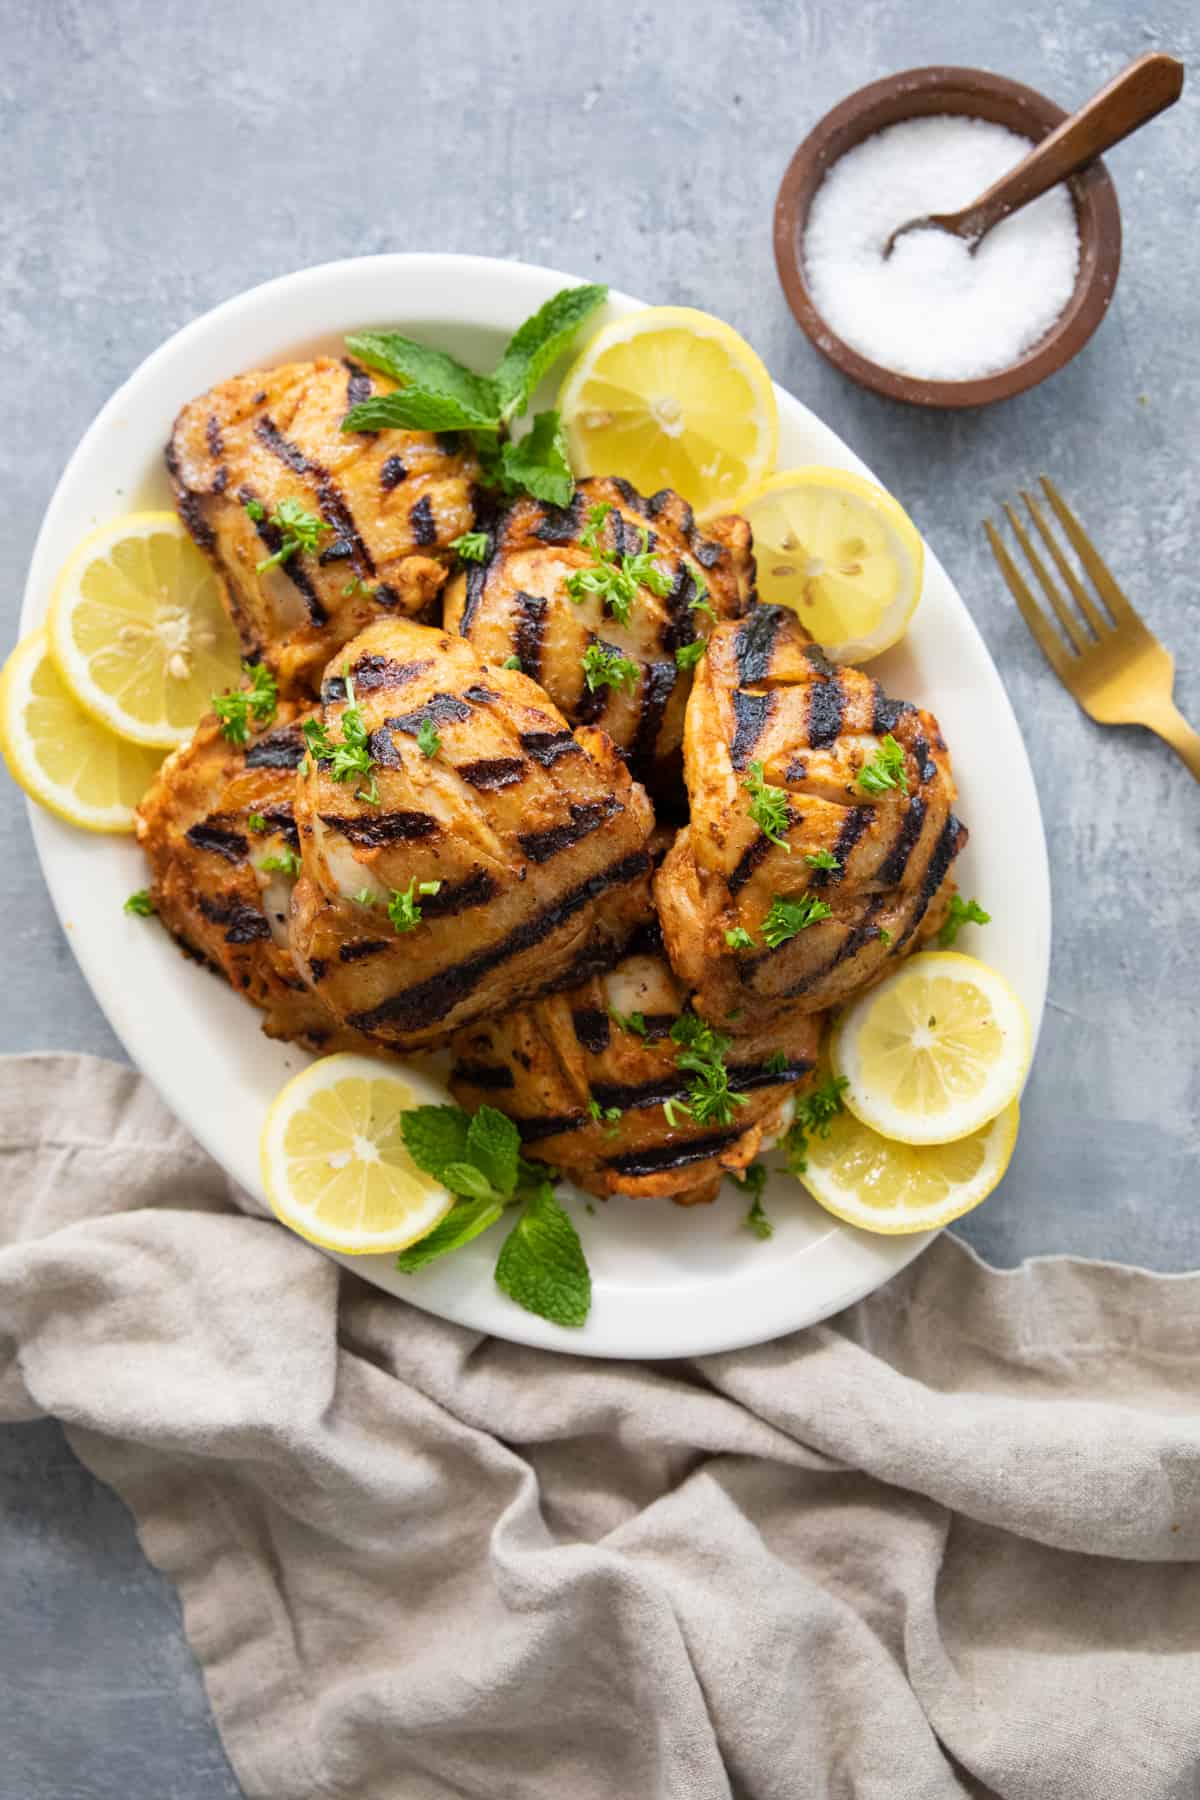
point(429, 372)
point(539, 462)
point(542, 1266)
point(540, 341)
point(416, 409)
point(470, 1183)
point(435, 1137)
point(494, 1146)
point(465, 1220)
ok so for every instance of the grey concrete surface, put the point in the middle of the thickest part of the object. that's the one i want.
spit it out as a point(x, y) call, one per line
point(159, 158)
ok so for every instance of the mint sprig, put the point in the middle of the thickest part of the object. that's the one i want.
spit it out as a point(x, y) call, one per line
point(541, 1264)
point(540, 341)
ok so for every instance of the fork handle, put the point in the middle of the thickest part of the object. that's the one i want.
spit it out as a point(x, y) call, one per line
point(1173, 728)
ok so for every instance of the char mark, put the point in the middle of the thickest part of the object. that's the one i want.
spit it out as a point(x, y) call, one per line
point(488, 773)
point(280, 749)
point(480, 696)
point(381, 671)
point(213, 438)
point(190, 509)
point(293, 568)
point(647, 940)
point(657, 686)
point(385, 595)
point(926, 767)
point(459, 896)
point(245, 923)
point(826, 706)
point(291, 455)
point(439, 709)
point(546, 747)
point(755, 643)
point(561, 524)
point(488, 1076)
point(415, 1008)
point(592, 1028)
point(750, 714)
point(338, 551)
point(359, 387)
point(634, 501)
point(854, 823)
point(952, 840)
point(219, 839)
point(819, 662)
point(280, 819)
point(534, 1130)
point(329, 497)
point(392, 473)
point(851, 944)
point(891, 871)
point(318, 968)
point(887, 712)
point(657, 1160)
point(745, 1076)
point(349, 953)
point(530, 626)
point(386, 828)
point(708, 555)
point(586, 816)
point(668, 1084)
point(678, 512)
point(423, 523)
point(680, 625)
point(220, 480)
point(754, 853)
point(476, 582)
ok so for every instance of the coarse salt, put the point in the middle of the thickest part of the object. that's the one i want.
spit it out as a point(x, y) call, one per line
point(934, 310)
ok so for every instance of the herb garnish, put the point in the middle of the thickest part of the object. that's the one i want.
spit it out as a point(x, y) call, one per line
point(258, 702)
point(256, 510)
point(688, 655)
point(768, 807)
point(140, 904)
point(511, 662)
point(776, 1063)
point(256, 822)
point(351, 757)
point(738, 938)
point(815, 1112)
point(634, 1021)
point(822, 859)
point(403, 909)
point(605, 667)
point(605, 1115)
point(885, 769)
point(358, 586)
point(702, 1053)
point(285, 863)
point(788, 917)
point(428, 739)
point(616, 578)
point(753, 1182)
point(299, 529)
point(471, 546)
point(962, 912)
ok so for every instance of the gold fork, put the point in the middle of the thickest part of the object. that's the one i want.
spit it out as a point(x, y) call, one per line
point(1113, 665)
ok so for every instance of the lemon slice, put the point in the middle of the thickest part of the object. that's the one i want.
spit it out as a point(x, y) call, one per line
point(841, 553)
point(58, 753)
point(138, 630)
point(671, 397)
point(869, 1181)
point(333, 1158)
point(933, 1052)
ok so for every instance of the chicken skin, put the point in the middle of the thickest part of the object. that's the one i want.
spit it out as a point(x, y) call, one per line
point(516, 603)
point(388, 503)
point(487, 856)
point(860, 793)
point(216, 813)
point(607, 1045)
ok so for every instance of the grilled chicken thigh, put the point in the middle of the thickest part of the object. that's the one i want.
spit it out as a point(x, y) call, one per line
point(516, 603)
point(390, 503)
point(768, 704)
point(208, 884)
point(535, 841)
point(607, 1044)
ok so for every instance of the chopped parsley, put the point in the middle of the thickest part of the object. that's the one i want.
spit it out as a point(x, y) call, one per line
point(822, 859)
point(286, 863)
point(676, 1112)
point(739, 938)
point(428, 740)
point(753, 1182)
point(776, 1063)
point(256, 510)
point(608, 668)
point(589, 537)
point(788, 917)
point(258, 702)
point(358, 586)
point(511, 662)
point(634, 1021)
point(471, 546)
point(885, 936)
point(700, 601)
point(256, 822)
point(885, 769)
point(616, 579)
point(403, 908)
point(140, 903)
point(605, 1115)
point(962, 912)
point(815, 1112)
point(688, 655)
point(701, 1052)
point(365, 897)
point(768, 807)
point(351, 757)
point(298, 528)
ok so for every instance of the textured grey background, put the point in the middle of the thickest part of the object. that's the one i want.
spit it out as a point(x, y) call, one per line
point(158, 158)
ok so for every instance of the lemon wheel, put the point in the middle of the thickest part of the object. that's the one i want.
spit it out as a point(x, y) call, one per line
point(841, 553)
point(333, 1158)
point(59, 754)
point(138, 630)
point(671, 397)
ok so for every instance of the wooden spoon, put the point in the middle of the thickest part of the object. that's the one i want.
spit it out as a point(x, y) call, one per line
point(1148, 86)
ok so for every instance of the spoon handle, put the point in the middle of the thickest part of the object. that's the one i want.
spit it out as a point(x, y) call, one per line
point(1148, 86)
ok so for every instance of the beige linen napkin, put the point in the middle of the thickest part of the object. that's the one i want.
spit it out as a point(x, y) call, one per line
point(938, 1546)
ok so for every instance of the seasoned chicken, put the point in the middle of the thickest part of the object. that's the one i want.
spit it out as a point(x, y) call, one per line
point(516, 603)
point(867, 830)
point(216, 812)
point(389, 504)
point(520, 850)
point(607, 1045)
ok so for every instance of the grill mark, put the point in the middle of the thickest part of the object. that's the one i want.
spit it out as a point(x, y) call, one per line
point(593, 1029)
point(188, 505)
point(483, 1075)
point(459, 896)
point(891, 871)
point(281, 749)
point(213, 438)
point(488, 773)
point(388, 828)
point(658, 1025)
point(220, 480)
point(754, 853)
point(385, 595)
point(560, 525)
point(679, 626)
point(439, 709)
point(272, 537)
point(415, 1007)
point(318, 968)
point(706, 553)
point(744, 1077)
point(657, 686)
point(819, 662)
point(546, 747)
point(359, 387)
point(329, 496)
point(392, 472)
point(629, 494)
point(340, 549)
point(586, 817)
point(952, 840)
point(285, 824)
point(926, 767)
point(530, 625)
point(647, 940)
point(534, 1130)
point(750, 713)
point(291, 455)
point(668, 1084)
point(380, 671)
point(219, 839)
point(826, 705)
point(246, 924)
point(476, 581)
point(854, 823)
point(851, 944)
point(480, 696)
point(355, 952)
point(886, 712)
point(423, 523)
point(676, 507)
point(671, 1156)
point(592, 702)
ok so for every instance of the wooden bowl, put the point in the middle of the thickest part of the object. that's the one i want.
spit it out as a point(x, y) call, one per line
point(917, 93)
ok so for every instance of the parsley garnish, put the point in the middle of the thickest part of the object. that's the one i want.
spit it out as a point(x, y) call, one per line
point(822, 859)
point(753, 1182)
point(351, 757)
point(962, 912)
point(885, 936)
point(776, 1063)
point(258, 702)
point(787, 917)
point(605, 1115)
point(702, 1053)
point(286, 863)
point(403, 909)
point(616, 578)
point(358, 586)
point(688, 655)
point(634, 1021)
point(589, 537)
point(676, 1112)
point(700, 601)
point(471, 546)
point(140, 903)
point(885, 769)
point(511, 662)
point(608, 668)
point(365, 897)
point(769, 806)
point(256, 510)
point(814, 1115)
point(739, 938)
point(428, 740)
point(256, 822)
point(299, 530)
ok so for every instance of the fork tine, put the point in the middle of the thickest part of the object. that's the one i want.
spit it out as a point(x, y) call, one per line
point(1073, 634)
point(1110, 593)
point(1083, 599)
point(1050, 643)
